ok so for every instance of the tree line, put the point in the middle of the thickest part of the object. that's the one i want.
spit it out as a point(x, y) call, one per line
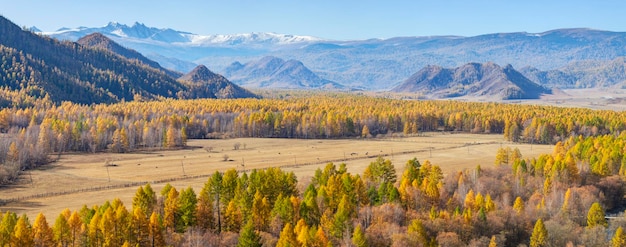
point(41, 128)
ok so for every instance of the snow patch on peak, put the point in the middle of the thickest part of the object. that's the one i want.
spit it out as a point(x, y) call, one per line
point(249, 39)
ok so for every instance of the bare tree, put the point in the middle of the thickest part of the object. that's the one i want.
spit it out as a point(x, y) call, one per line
point(236, 146)
point(225, 157)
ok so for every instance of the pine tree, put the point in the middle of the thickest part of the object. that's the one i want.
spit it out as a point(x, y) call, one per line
point(417, 234)
point(76, 226)
point(365, 132)
point(619, 239)
point(140, 228)
point(260, 211)
point(156, 231)
point(187, 210)
point(470, 200)
point(287, 237)
point(22, 233)
point(518, 206)
point(596, 216)
point(204, 210)
point(320, 238)
point(566, 199)
point(232, 217)
point(61, 229)
point(358, 237)
point(490, 206)
point(42, 233)
point(492, 242)
point(248, 236)
point(170, 210)
point(540, 235)
point(107, 227)
point(141, 200)
point(7, 226)
point(93, 230)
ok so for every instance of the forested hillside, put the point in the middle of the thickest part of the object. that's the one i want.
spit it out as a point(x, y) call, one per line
point(34, 67)
point(99, 41)
point(203, 82)
point(69, 71)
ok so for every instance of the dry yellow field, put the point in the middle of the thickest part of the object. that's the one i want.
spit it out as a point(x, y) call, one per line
point(83, 179)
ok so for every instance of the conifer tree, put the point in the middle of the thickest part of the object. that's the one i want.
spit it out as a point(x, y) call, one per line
point(61, 229)
point(170, 210)
point(107, 228)
point(260, 211)
point(518, 205)
point(187, 211)
point(539, 237)
point(42, 233)
point(358, 237)
point(7, 226)
point(204, 210)
point(619, 238)
point(287, 237)
point(248, 236)
point(22, 233)
point(492, 242)
point(93, 230)
point(140, 228)
point(76, 226)
point(156, 231)
point(596, 216)
point(232, 217)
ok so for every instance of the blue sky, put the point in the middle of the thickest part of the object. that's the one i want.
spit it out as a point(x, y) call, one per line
point(338, 19)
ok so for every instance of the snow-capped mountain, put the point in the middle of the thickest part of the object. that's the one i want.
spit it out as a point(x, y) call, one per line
point(167, 35)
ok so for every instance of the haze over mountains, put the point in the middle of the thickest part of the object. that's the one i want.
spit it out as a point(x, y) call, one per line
point(273, 72)
point(373, 64)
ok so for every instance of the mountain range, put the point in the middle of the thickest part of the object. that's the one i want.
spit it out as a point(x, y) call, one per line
point(96, 70)
point(375, 64)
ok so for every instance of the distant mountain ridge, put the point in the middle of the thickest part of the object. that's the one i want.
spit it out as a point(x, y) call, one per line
point(374, 64)
point(487, 80)
point(582, 74)
point(273, 72)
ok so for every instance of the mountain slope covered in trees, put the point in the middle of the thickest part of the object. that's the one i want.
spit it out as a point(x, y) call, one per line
point(66, 71)
point(202, 81)
point(486, 80)
point(69, 71)
point(99, 41)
